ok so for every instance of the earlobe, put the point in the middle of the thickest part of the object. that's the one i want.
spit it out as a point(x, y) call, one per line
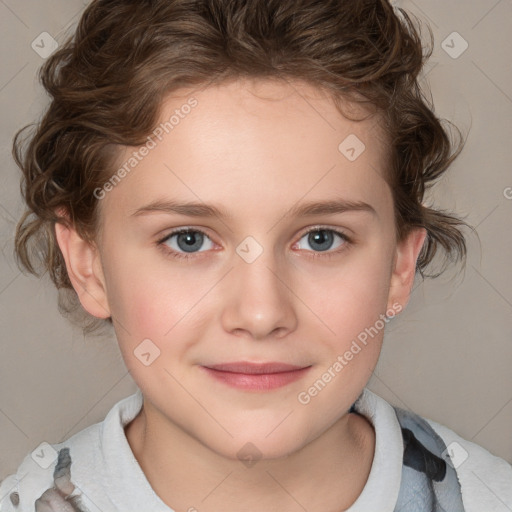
point(84, 270)
point(404, 271)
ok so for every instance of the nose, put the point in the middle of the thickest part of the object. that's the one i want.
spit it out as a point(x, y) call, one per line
point(259, 300)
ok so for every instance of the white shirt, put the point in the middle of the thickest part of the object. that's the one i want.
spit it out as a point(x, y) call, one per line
point(109, 479)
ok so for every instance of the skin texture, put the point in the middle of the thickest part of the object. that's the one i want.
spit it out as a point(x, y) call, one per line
point(256, 149)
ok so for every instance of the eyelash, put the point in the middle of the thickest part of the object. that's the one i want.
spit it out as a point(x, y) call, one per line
point(319, 254)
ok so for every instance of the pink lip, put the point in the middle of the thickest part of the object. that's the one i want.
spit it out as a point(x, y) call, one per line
point(256, 376)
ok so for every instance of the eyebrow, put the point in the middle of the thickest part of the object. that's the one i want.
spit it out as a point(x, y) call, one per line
point(191, 209)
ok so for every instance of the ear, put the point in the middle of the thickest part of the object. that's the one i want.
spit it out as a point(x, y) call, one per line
point(404, 268)
point(84, 269)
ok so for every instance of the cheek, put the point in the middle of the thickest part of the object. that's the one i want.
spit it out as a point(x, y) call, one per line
point(142, 296)
point(147, 313)
point(135, 301)
point(152, 300)
point(353, 297)
point(351, 304)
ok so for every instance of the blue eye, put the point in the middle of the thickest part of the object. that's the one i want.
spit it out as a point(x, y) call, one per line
point(187, 241)
point(323, 238)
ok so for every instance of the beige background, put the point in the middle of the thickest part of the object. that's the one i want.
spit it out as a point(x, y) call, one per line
point(447, 357)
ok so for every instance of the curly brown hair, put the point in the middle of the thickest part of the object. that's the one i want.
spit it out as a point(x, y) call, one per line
point(107, 83)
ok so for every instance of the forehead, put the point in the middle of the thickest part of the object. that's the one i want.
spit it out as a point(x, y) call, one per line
point(254, 141)
point(258, 108)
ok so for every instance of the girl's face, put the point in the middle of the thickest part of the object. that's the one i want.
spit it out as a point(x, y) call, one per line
point(263, 276)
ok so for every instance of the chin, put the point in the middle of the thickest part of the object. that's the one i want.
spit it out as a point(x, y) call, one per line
point(257, 446)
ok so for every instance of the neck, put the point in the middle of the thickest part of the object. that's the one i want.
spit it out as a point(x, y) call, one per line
point(329, 473)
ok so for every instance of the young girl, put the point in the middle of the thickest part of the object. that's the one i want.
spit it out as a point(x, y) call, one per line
point(237, 186)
